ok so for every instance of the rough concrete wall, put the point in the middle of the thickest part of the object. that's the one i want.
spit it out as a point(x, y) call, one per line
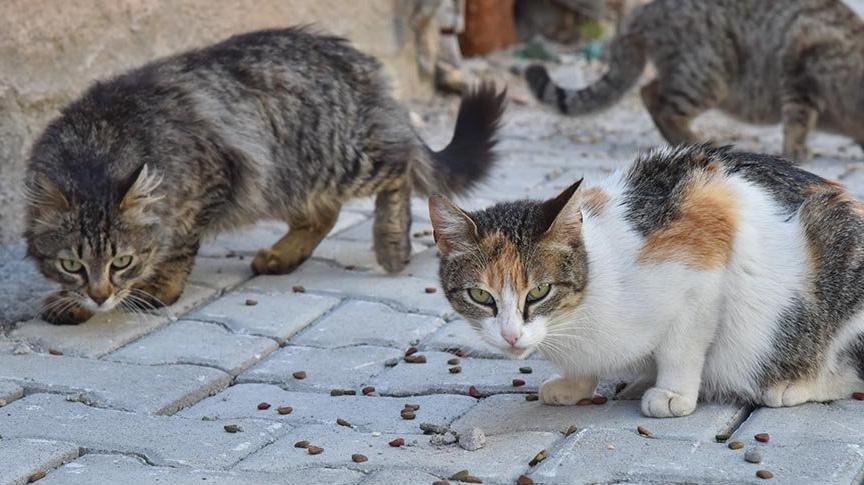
point(51, 50)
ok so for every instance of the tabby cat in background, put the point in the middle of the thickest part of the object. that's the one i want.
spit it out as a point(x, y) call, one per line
point(799, 62)
point(704, 271)
point(281, 124)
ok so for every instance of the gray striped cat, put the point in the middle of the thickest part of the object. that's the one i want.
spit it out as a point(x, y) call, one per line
point(281, 124)
point(799, 62)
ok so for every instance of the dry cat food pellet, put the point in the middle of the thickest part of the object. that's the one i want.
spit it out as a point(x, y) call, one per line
point(55, 352)
point(314, 450)
point(36, 476)
point(262, 406)
point(762, 437)
point(413, 407)
point(410, 351)
point(299, 375)
point(584, 402)
point(453, 361)
point(397, 442)
point(518, 383)
point(532, 397)
point(391, 362)
point(735, 445)
point(284, 410)
point(342, 422)
point(572, 429)
point(407, 414)
point(251, 302)
point(523, 480)
point(764, 474)
point(644, 431)
point(336, 392)
point(358, 458)
point(858, 396)
point(431, 290)
point(473, 392)
point(233, 428)
point(753, 456)
point(455, 369)
point(440, 482)
point(537, 458)
point(465, 476)
point(415, 359)
point(526, 370)
point(368, 390)
point(350, 267)
point(349, 392)
point(298, 289)
point(599, 400)
point(301, 444)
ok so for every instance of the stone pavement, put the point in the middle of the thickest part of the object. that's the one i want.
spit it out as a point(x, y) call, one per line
point(152, 398)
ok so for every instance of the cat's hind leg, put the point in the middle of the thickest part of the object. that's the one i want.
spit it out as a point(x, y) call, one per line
point(392, 227)
point(305, 232)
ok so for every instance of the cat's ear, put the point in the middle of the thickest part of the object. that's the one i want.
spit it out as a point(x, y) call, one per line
point(562, 216)
point(141, 194)
point(452, 227)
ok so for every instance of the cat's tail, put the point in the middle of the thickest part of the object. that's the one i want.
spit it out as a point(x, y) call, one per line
point(627, 59)
point(470, 153)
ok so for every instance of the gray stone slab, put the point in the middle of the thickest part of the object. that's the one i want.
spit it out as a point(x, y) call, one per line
point(510, 414)
point(391, 477)
point(424, 264)
point(326, 369)
point(20, 459)
point(220, 272)
point(366, 413)
point(503, 458)
point(9, 391)
point(120, 469)
point(489, 376)
point(458, 335)
point(148, 389)
point(357, 254)
point(276, 315)
point(406, 293)
point(161, 440)
point(197, 343)
point(807, 423)
point(363, 322)
point(363, 232)
point(22, 286)
point(193, 296)
point(604, 456)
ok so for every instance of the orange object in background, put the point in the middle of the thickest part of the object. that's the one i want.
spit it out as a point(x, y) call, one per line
point(489, 25)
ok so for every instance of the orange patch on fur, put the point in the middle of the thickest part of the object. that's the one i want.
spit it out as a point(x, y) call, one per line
point(594, 200)
point(703, 234)
point(505, 264)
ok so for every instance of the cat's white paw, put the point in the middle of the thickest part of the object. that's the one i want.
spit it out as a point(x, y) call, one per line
point(787, 393)
point(561, 391)
point(663, 403)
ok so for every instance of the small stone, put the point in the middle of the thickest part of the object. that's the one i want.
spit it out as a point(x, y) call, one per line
point(572, 429)
point(349, 392)
point(644, 431)
point(753, 455)
point(415, 359)
point(376, 434)
point(518, 383)
point(233, 428)
point(473, 392)
point(314, 450)
point(523, 480)
point(464, 476)
point(342, 422)
point(413, 407)
point(584, 402)
point(762, 437)
point(358, 458)
point(599, 400)
point(337, 392)
point(431, 290)
point(391, 362)
point(455, 369)
point(431, 428)
point(472, 440)
point(397, 442)
point(36, 476)
point(531, 397)
point(721, 438)
point(350, 267)
point(299, 375)
point(251, 302)
point(298, 289)
point(301, 444)
point(453, 361)
point(526, 370)
point(764, 474)
point(368, 390)
point(284, 410)
point(407, 414)
point(263, 406)
point(445, 439)
point(55, 352)
point(538, 458)
point(735, 445)
point(410, 351)
point(858, 396)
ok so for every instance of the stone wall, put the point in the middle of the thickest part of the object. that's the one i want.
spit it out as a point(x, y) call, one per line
point(51, 50)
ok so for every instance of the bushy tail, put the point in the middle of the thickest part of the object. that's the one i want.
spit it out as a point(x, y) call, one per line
point(470, 154)
point(626, 63)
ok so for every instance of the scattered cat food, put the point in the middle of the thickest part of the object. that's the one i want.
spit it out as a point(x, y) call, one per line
point(523, 480)
point(407, 414)
point(531, 397)
point(263, 406)
point(465, 476)
point(858, 396)
point(284, 410)
point(398, 442)
point(473, 392)
point(391, 362)
point(584, 402)
point(721, 438)
point(764, 474)
point(298, 289)
point(410, 351)
point(337, 392)
point(599, 400)
point(440, 482)
point(368, 390)
point(342, 422)
point(518, 383)
point(301, 444)
point(620, 387)
point(415, 359)
point(55, 352)
point(644, 431)
point(762, 437)
point(526, 370)
point(314, 450)
point(349, 392)
point(753, 456)
point(431, 290)
point(735, 445)
point(232, 428)
point(413, 407)
point(251, 302)
point(538, 458)
point(453, 361)
point(472, 439)
point(36, 476)
point(455, 369)
point(358, 458)
point(350, 267)
point(299, 375)
point(572, 429)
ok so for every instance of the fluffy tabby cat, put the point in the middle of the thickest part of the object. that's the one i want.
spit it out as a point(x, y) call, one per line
point(706, 271)
point(274, 124)
point(799, 62)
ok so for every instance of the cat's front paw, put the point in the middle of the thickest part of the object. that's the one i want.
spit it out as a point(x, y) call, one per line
point(787, 393)
point(268, 261)
point(562, 391)
point(62, 310)
point(663, 403)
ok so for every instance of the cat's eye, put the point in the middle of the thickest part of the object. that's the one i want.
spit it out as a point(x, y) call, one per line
point(70, 265)
point(481, 296)
point(539, 292)
point(121, 262)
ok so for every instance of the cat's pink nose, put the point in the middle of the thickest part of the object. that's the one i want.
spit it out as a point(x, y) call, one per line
point(510, 338)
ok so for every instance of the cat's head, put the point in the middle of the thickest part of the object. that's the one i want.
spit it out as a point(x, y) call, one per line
point(94, 235)
point(514, 270)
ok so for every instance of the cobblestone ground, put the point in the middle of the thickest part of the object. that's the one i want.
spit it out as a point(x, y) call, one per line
point(209, 390)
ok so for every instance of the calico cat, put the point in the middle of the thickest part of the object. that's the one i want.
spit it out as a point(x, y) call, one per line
point(283, 124)
point(799, 62)
point(709, 272)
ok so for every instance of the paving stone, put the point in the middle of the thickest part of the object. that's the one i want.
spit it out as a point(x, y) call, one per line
point(276, 315)
point(98, 468)
point(149, 389)
point(366, 413)
point(363, 231)
point(326, 369)
point(161, 440)
point(21, 458)
point(363, 322)
point(9, 391)
point(458, 335)
point(220, 273)
point(193, 296)
point(358, 254)
point(391, 477)
point(197, 343)
point(604, 456)
point(406, 293)
point(511, 413)
point(489, 376)
point(424, 265)
point(790, 426)
point(339, 443)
